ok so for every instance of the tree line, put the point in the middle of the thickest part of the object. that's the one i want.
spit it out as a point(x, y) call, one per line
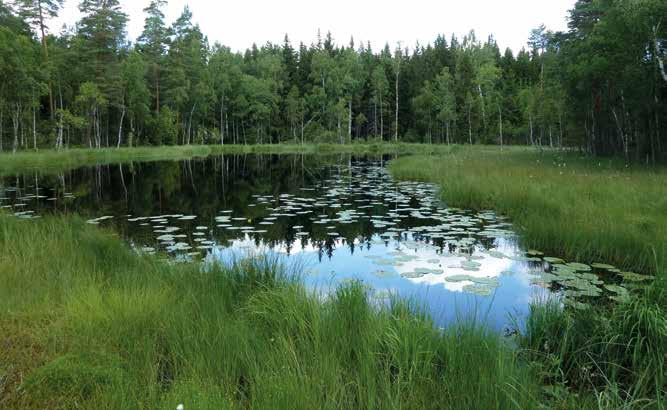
point(598, 86)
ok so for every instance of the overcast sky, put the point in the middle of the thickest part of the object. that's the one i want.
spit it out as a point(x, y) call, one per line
point(240, 23)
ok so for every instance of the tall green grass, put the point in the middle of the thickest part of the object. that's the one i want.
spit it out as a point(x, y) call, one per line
point(583, 209)
point(86, 323)
point(620, 354)
point(588, 210)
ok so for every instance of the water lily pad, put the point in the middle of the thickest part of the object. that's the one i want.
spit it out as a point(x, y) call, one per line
point(459, 278)
point(581, 267)
point(603, 266)
point(635, 277)
point(497, 254)
point(553, 260)
point(380, 273)
point(478, 289)
point(620, 290)
point(491, 282)
point(412, 275)
point(576, 304)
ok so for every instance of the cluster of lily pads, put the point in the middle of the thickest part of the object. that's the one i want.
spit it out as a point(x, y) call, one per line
point(17, 200)
point(579, 283)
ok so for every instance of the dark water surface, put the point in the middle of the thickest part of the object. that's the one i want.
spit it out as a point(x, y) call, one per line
point(338, 218)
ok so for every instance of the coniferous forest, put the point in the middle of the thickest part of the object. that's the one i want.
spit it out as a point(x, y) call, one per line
point(599, 87)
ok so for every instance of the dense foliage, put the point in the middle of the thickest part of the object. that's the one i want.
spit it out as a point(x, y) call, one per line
point(599, 86)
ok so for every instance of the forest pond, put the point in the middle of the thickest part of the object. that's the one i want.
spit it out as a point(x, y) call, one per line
point(338, 218)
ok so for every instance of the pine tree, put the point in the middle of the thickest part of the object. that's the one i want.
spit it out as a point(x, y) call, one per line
point(36, 12)
point(152, 44)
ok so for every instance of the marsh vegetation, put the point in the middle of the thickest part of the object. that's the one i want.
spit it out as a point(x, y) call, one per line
point(602, 329)
point(332, 226)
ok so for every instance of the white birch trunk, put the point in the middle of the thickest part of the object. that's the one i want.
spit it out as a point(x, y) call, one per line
point(658, 54)
point(396, 124)
point(16, 118)
point(34, 127)
point(120, 128)
point(349, 119)
point(222, 108)
point(500, 125)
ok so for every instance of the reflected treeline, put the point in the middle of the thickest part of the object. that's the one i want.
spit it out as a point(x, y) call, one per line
point(201, 187)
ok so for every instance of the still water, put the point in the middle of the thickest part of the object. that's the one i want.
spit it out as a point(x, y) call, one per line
point(338, 218)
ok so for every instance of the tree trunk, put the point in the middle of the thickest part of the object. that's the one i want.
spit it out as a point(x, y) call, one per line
point(98, 129)
point(448, 140)
point(340, 133)
point(16, 118)
point(428, 132)
point(61, 121)
point(530, 121)
point(622, 135)
point(396, 124)
point(470, 123)
point(46, 57)
point(130, 137)
point(375, 117)
point(658, 54)
point(349, 119)
point(120, 128)
point(2, 114)
point(89, 128)
point(222, 108)
point(500, 125)
point(302, 129)
point(34, 122)
point(157, 88)
point(481, 100)
point(381, 123)
point(560, 131)
point(189, 133)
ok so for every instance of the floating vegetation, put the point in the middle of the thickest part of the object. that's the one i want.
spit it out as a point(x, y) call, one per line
point(576, 304)
point(497, 254)
point(578, 266)
point(635, 277)
point(427, 271)
point(380, 273)
point(478, 289)
point(412, 275)
point(98, 220)
point(602, 266)
point(459, 278)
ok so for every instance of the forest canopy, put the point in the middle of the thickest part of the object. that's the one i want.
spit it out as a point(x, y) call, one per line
point(598, 87)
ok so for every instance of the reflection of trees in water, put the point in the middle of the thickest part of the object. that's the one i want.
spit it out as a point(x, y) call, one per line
point(204, 187)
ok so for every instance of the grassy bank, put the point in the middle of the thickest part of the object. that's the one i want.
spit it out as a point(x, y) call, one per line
point(87, 323)
point(56, 161)
point(586, 210)
point(84, 322)
point(583, 209)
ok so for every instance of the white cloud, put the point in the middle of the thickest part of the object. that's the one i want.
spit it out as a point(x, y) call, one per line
point(238, 24)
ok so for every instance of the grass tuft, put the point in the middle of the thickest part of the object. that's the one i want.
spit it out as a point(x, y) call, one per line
point(112, 329)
